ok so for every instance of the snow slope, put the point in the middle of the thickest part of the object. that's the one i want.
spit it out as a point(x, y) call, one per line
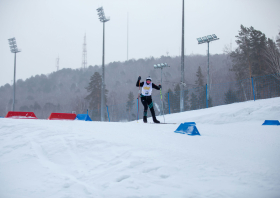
point(234, 156)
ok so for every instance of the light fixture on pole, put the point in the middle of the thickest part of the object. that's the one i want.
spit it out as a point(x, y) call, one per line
point(15, 50)
point(161, 66)
point(102, 19)
point(207, 39)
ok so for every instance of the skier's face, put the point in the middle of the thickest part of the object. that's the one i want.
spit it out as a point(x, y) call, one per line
point(148, 81)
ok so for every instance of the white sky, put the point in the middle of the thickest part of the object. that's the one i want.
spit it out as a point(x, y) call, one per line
point(45, 29)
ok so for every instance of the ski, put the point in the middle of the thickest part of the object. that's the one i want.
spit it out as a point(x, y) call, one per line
point(161, 123)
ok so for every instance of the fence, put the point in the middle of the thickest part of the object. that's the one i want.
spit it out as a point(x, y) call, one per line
point(255, 88)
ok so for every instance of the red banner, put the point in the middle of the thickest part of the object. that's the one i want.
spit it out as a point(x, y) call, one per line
point(62, 116)
point(21, 115)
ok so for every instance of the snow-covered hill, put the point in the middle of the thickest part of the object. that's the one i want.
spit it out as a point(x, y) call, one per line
point(235, 156)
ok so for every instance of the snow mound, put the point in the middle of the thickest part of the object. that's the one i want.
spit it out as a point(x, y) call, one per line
point(256, 111)
point(234, 156)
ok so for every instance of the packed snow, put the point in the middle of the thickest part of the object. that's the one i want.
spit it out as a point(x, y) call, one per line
point(235, 156)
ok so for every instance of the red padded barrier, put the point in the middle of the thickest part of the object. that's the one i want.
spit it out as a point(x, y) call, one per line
point(21, 115)
point(62, 116)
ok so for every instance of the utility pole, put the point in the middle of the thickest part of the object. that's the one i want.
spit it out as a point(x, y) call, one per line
point(127, 38)
point(182, 65)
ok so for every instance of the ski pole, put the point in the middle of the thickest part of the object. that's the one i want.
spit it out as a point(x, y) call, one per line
point(162, 106)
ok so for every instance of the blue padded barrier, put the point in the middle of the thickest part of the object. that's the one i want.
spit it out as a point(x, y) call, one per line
point(188, 128)
point(271, 122)
point(84, 117)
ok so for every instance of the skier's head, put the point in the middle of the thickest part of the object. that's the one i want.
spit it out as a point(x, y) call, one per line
point(148, 80)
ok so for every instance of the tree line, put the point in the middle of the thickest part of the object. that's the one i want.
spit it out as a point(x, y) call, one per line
point(77, 90)
point(256, 57)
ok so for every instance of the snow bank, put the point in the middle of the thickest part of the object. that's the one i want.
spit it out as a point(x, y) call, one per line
point(234, 156)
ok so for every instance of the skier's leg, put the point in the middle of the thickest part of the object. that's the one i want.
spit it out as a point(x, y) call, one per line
point(144, 102)
point(145, 116)
point(150, 104)
point(154, 115)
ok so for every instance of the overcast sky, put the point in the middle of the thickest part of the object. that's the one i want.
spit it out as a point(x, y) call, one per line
point(45, 29)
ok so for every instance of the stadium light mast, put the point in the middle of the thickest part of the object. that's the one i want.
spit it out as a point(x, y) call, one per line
point(15, 50)
point(207, 39)
point(182, 63)
point(102, 19)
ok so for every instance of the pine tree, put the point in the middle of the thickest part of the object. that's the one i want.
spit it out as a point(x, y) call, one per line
point(257, 44)
point(171, 98)
point(194, 102)
point(230, 97)
point(210, 103)
point(36, 106)
point(186, 102)
point(272, 57)
point(278, 40)
point(176, 99)
point(94, 97)
point(248, 59)
point(201, 89)
point(242, 64)
point(129, 104)
point(199, 81)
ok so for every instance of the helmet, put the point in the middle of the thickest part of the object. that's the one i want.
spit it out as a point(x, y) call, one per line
point(148, 79)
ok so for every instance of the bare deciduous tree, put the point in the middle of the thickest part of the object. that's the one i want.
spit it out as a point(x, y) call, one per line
point(79, 104)
point(272, 57)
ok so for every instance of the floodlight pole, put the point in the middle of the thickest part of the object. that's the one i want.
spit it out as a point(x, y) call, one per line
point(208, 85)
point(182, 65)
point(15, 50)
point(161, 77)
point(14, 97)
point(103, 19)
point(207, 39)
point(103, 76)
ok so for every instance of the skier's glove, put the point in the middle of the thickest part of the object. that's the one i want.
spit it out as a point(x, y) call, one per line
point(139, 78)
point(159, 86)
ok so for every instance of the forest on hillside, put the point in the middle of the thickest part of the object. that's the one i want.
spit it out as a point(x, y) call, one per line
point(77, 90)
point(65, 90)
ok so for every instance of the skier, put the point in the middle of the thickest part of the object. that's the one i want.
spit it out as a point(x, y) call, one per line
point(146, 97)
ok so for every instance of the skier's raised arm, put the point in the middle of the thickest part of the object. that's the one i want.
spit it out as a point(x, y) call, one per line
point(138, 82)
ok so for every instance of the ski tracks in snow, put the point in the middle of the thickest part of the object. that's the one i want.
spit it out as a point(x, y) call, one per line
point(63, 159)
point(72, 163)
